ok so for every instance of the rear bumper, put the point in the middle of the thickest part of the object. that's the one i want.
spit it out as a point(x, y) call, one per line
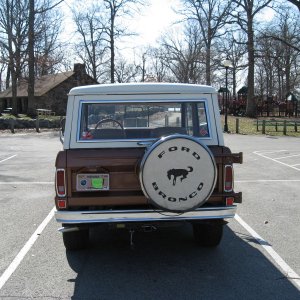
point(124, 216)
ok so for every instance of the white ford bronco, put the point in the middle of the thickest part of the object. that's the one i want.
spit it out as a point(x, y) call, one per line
point(141, 156)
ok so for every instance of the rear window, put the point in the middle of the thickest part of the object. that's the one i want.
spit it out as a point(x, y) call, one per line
point(141, 120)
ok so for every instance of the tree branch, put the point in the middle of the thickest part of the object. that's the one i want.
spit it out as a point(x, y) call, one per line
point(281, 40)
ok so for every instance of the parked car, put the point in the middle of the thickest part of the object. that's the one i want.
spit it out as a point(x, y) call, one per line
point(139, 156)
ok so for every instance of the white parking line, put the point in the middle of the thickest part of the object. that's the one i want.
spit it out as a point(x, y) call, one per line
point(25, 182)
point(280, 162)
point(18, 259)
point(283, 157)
point(269, 152)
point(287, 271)
point(8, 158)
point(266, 180)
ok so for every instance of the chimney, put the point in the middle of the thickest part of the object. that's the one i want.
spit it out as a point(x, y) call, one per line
point(79, 70)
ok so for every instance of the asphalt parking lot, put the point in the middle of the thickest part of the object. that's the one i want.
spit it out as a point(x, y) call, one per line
point(259, 256)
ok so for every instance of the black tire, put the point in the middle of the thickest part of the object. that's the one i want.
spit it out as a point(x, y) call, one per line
point(76, 240)
point(208, 234)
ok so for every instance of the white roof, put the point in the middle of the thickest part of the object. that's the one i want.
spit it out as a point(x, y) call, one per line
point(142, 88)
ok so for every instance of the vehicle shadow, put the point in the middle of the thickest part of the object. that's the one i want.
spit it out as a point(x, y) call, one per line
point(167, 264)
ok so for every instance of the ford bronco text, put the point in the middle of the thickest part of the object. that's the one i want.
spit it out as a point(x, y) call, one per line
point(138, 156)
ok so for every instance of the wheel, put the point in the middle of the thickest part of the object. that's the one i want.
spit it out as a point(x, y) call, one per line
point(178, 173)
point(208, 234)
point(76, 240)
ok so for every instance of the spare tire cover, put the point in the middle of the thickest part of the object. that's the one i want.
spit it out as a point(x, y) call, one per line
point(178, 173)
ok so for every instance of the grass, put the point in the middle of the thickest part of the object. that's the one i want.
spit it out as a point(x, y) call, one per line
point(248, 126)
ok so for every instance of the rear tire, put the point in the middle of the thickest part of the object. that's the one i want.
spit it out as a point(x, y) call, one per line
point(208, 234)
point(76, 240)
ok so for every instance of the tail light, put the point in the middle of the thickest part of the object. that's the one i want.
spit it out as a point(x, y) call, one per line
point(61, 203)
point(229, 201)
point(60, 183)
point(228, 179)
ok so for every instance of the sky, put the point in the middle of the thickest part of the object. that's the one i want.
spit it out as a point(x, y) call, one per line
point(150, 22)
point(155, 20)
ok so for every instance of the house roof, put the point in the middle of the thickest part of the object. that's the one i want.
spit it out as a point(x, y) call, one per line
point(42, 85)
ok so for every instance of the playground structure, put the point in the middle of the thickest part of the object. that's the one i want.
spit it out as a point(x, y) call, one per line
point(269, 106)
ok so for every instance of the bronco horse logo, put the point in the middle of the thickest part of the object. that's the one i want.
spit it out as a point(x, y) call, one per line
point(178, 173)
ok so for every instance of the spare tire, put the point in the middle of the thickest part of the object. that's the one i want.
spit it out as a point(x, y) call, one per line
point(178, 173)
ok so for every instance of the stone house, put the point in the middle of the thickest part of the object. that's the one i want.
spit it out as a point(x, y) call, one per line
point(51, 92)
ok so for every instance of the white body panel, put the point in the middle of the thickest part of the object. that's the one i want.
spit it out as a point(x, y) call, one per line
point(138, 93)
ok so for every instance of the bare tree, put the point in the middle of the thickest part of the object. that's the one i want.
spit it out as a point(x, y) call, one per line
point(283, 12)
point(13, 30)
point(92, 47)
point(265, 66)
point(142, 64)
point(211, 16)
point(114, 30)
point(234, 48)
point(184, 56)
point(245, 14)
point(31, 75)
point(42, 8)
point(280, 61)
point(125, 72)
point(3, 66)
point(157, 66)
point(49, 51)
point(19, 31)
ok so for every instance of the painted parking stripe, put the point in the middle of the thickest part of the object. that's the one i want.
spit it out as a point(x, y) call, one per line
point(26, 182)
point(18, 259)
point(8, 158)
point(268, 180)
point(270, 152)
point(277, 161)
point(283, 157)
point(286, 270)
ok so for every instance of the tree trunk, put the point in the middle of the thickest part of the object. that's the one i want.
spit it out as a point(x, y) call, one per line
point(7, 80)
point(15, 106)
point(234, 83)
point(112, 49)
point(207, 65)
point(112, 62)
point(31, 74)
point(279, 84)
point(250, 108)
point(287, 74)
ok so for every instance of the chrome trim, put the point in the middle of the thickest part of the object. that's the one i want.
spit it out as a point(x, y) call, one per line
point(123, 216)
point(224, 181)
point(146, 143)
point(57, 194)
point(68, 229)
point(160, 100)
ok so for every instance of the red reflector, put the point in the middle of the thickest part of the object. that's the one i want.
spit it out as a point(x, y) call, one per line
point(228, 180)
point(62, 203)
point(60, 183)
point(229, 201)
